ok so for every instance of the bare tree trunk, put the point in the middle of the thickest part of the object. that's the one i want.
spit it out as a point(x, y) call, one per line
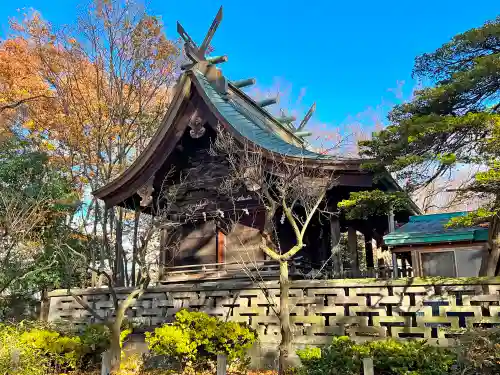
point(44, 305)
point(104, 247)
point(126, 278)
point(338, 267)
point(105, 252)
point(115, 326)
point(134, 249)
point(115, 349)
point(94, 233)
point(286, 331)
point(119, 266)
point(489, 269)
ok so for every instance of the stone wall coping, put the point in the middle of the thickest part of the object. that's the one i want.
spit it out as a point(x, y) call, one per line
point(301, 284)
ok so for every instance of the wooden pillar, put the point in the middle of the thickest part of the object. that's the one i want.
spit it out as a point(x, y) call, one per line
point(44, 306)
point(164, 258)
point(415, 264)
point(395, 271)
point(391, 220)
point(324, 250)
point(352, 245)
point(335, 243)
point(369, 250)
point(220, 246)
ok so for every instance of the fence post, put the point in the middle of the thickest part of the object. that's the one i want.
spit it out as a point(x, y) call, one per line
point(14, 358)
point(106, 363)
point(221, 364)
point(368, 366)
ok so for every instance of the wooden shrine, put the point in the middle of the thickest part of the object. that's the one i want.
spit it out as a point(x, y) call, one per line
point(205, 99)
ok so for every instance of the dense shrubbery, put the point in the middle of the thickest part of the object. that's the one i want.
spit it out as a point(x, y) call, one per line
point(390, 357)
point(36, 349)
point(478, 353)
point(195, 339)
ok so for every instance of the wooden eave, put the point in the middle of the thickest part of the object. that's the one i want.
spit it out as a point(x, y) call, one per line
point(439, 246)
point(147, 163)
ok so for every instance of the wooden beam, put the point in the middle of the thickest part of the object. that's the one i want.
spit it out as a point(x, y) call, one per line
point(352, 244)
point(211, 32)
point(217, 59)
point(369, 251)
point(287, 119)
point(395, 271)
point(187, 66)
point(307, 117)
point(190, 47)
point(244, 83)
point(266, 102)
point(220, 246)
point(302, 134)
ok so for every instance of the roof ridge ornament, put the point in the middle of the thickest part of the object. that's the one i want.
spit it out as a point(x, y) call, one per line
point(307, 117)
point(195, 53)
point(243, 83)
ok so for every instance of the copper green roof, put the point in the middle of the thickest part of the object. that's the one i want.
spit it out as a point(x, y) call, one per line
point(253, 123)
point(202, 87)
point(431, 229)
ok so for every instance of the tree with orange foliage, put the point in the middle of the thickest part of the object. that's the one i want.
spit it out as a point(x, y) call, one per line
point(91, 96)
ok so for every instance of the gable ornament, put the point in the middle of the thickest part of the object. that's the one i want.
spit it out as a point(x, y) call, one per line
point(197, 128)
point(146, 193)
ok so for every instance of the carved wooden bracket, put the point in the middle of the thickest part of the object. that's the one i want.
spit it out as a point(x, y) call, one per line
point(196, 125)
point(250, 176)
point(146, 193)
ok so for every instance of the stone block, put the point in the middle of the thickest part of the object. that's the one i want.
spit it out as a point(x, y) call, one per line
point(328, 310)
point(416, 332)
point(329, 292)
point(355, 300)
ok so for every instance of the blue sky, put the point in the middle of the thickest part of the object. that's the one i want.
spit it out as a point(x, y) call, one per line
point(345, 55)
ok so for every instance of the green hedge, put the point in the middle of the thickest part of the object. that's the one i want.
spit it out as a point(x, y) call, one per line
point(194, 339)
point(477, 353)
point(390, 357)
point(35, 348)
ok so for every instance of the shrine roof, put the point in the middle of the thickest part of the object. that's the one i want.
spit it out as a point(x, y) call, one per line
point(255, 124)
point(202, 91)
point(427, 229)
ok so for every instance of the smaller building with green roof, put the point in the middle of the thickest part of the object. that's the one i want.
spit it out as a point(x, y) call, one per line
point(430, 248)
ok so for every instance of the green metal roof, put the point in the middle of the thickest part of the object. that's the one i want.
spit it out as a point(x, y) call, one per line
point(252, 125)
point(428, 229)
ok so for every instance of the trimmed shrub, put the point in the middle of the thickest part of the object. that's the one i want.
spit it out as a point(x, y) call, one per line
point(412, 357)
point(16, 358)
point(39, 348)
point(340, 357)
point(390, 357)
point(63, 352)
point(195, 339)
point(173, 342)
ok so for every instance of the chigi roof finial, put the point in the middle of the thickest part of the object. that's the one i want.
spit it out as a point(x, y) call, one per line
point(195, 53)
point(307, 117)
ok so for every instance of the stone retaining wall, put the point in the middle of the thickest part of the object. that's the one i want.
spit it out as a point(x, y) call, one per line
point(363, 309)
